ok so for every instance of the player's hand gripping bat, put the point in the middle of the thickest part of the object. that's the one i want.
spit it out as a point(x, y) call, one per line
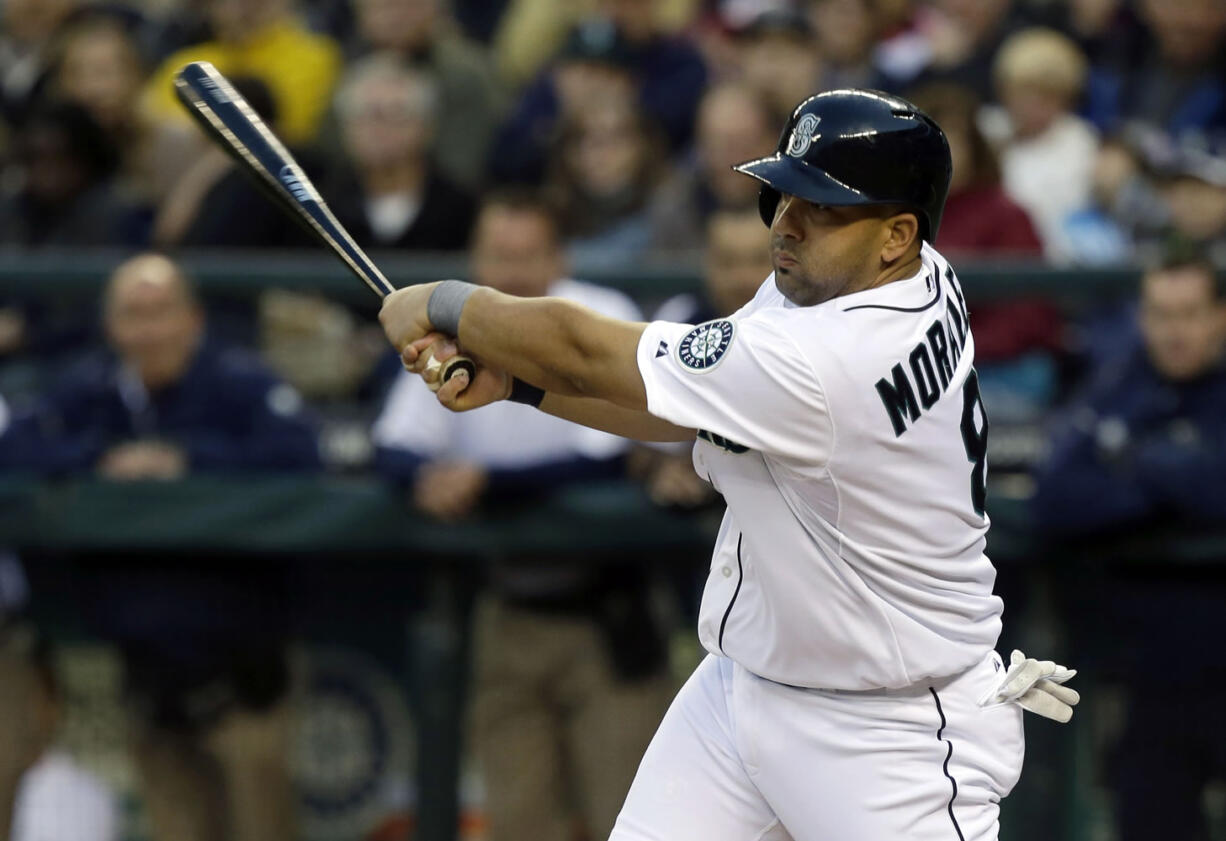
point(232, 123)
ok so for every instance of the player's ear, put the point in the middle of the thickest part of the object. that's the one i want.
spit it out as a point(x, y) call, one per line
point(902, 231)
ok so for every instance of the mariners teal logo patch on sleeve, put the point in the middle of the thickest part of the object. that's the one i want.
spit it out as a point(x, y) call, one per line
point(702, 348)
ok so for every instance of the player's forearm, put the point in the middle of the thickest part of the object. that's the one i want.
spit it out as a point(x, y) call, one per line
point(618, 420)
point(557, 345)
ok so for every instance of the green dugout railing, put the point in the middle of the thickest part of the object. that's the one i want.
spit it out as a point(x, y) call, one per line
point(237, 273)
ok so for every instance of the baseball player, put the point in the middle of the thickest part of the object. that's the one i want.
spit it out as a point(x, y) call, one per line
point(851, 690)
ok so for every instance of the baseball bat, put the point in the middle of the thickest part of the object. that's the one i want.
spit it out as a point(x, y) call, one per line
point(230, 121)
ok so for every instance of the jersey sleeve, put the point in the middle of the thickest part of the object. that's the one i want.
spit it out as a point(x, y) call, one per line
point(742, 379)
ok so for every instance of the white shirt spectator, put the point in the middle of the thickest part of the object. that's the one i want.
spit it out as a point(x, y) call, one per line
point(58, 800)
point(1048, 174)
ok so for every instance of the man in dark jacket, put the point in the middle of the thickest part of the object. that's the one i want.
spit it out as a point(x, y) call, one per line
point(1148, 446)
point(203, 642)
point(1149, 439)
point(163, 401)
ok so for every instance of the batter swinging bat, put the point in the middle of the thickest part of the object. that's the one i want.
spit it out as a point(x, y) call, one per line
point(232, 123)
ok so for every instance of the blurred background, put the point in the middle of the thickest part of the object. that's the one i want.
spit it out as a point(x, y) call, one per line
point(230, 610)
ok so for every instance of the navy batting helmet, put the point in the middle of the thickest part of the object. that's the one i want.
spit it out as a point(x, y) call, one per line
point(848, 147)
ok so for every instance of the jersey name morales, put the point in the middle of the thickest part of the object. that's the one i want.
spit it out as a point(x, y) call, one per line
point(931, 364)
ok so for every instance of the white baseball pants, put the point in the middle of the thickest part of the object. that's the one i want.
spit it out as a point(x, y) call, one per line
point(740, 758)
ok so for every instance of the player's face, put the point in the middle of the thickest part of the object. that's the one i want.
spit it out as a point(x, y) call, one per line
point(1184, 325)
point(821, 252)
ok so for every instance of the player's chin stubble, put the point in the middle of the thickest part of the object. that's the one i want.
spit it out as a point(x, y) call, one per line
point(798, 285)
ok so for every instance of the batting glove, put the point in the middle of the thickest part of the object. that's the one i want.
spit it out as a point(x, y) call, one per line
point(1035, 685)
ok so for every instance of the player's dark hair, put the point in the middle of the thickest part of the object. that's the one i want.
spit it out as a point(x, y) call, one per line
point(520, 198)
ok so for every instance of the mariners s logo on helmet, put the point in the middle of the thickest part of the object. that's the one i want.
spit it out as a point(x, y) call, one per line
point(803, 135)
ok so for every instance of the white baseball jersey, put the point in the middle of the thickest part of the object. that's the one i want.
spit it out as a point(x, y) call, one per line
point(849, 441)
point(503, 434)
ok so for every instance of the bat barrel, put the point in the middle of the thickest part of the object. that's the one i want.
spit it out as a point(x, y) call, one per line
point(223, 113)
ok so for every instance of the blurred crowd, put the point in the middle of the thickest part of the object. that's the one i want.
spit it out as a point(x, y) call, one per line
point(537, 138)
point(1085, 131)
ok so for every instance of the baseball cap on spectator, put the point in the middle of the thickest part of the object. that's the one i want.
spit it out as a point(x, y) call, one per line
point(735, 15)
point(778, 54)
point(1194, 189)
point(1199, 164)
point(781, 23)
point(598, 41)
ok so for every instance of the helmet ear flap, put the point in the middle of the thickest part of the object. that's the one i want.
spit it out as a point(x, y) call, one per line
point(768, 200)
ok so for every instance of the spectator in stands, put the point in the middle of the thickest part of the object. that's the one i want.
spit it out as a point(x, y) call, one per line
point(670, 70)
point(1124, 205)
point(960, 39)
point(1149, 187)
point(1014, 340)
point(532, 31)
point(164, 401)
point(1149, 438)
point(847, 33)
point(266, 41)
point(734, 125)
point(609, 56)
point(63, 193)
point(1194, 191)
point(1047, 153)
point(1178, 85)
point(979, 217)
point(570, 675)
point(1146, 446)
point(100, 67)
point(202, 648)
point(595, 65)
point(736, 263)
point(389, 193)
point(1107, 31)
point(779, 58)
point(27, 35)
point(605, 170)
point(470, 99)
point(214, 204)
point(44, 792)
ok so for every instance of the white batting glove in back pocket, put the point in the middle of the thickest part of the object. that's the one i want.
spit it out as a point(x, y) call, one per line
point(1035, 685)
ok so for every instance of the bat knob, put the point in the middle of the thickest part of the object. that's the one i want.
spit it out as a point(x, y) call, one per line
point(455, 365)
point(447, 370)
